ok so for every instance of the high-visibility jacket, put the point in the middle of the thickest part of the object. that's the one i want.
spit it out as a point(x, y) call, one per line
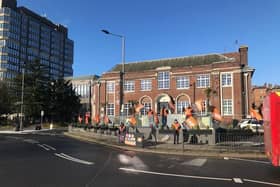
point(216, 115)
point(150, 113)
point(156, 119)
point(106, 119)
point(191, 122)
point(255, 114)
point(188, 112)
point(97, 119)
point(132, 121)
point(176, 126)
point(165, 112)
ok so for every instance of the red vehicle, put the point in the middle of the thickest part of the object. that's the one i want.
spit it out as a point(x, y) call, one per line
point(271, 116)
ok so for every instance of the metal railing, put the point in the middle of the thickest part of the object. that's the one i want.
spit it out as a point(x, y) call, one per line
point(221, 140)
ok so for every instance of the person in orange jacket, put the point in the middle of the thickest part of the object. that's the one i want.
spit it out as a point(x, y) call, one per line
point(150, 117)
point(132, 122)
point(188, 112)
point(97, 119)
point(164, 113)
point(176, 126)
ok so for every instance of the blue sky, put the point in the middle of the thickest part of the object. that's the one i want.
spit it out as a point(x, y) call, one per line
point(167, 28)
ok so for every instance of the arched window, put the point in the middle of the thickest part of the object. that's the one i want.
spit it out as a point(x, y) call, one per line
point(147, 103)
point(182, 103)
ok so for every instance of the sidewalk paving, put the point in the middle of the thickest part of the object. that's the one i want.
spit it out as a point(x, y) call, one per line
point(167, 148)
point(25, 131)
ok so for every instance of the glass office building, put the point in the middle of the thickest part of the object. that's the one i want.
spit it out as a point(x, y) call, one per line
point(26, 36)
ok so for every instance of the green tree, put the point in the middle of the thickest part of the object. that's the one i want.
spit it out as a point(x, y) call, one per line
point(64, 104)
point(35, 89)
point(55, 97)
point(5, 99)
point(208, 93)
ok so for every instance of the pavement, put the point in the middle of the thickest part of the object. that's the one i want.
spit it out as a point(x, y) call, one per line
point(168, 148)
point(28, 131)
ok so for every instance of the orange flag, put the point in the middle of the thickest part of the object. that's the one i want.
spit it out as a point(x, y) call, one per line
point(191, 122)
point(216, 115)
point(255, 114)
point(139, 107)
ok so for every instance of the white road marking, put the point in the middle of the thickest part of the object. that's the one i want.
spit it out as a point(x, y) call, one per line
point(67, 157)
point(247, 160)
point(237, 180)
point(195, 162)
point(50, 147)
point(47, 149)
point(261, 182)
point(31, 141)
point(133, 161)
point(15, 138)
point(174, 175)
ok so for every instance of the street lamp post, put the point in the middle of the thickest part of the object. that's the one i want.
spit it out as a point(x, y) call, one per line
point(21, 106)
point(123, 63)
point(98, 84)
point(246, 94)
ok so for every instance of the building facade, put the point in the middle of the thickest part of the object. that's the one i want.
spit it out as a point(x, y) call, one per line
point(222, 80)
point(83, 87)
point(260, 92)
point(26, 36)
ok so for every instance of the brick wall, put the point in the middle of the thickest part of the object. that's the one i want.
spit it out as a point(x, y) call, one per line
point(236, 67)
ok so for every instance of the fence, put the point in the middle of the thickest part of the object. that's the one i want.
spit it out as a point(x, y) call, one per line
point(221, 140)
point(240, 141)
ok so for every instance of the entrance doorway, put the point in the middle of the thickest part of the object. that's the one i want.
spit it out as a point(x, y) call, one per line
point(163, 101)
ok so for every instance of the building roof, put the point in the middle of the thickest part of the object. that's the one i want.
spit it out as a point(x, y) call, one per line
point(44, 20)
point(174, 62)
point(86, 77)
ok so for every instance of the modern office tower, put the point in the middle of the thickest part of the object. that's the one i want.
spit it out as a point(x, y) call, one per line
point(26, 36)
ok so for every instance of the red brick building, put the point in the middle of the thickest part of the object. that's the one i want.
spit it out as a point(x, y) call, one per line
point(260, 92)
point(177, 83)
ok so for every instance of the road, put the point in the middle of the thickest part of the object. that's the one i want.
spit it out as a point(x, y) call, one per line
point(53, 160)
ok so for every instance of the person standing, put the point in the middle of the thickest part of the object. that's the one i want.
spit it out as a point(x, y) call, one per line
point(121, 132)
point(164, 114)
point(132, 122)
point(176, 126)
point(188, 112)
point(152, 124)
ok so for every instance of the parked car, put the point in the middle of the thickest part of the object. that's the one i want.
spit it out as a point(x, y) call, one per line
point(252, 124)
point(38, 127)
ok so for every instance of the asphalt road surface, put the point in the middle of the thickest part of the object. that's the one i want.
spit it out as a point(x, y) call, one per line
point(53, 160)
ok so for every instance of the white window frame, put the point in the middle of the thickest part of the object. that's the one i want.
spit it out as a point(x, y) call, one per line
point(126, 108)
point(226, 79)
point(129, 86)
point(182, 82)
point(110, 109)
point(163, 81)
point(203, 81)
point(181, 105)
point(146, 84)
point(227, 107)
point(110, 87)
point(146, 108)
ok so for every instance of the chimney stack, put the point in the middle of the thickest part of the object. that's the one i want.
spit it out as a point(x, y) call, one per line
point(243, 51)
